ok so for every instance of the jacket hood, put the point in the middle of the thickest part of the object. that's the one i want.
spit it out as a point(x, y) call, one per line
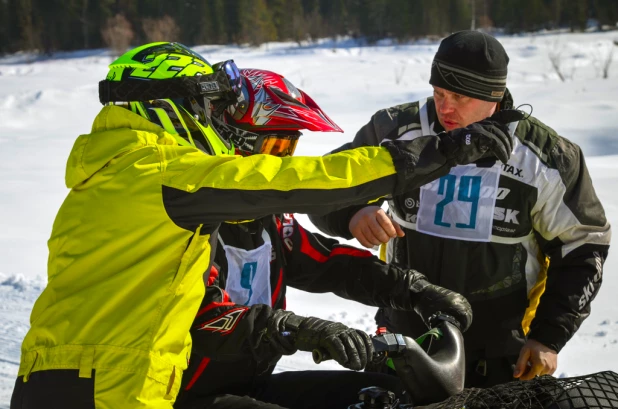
point(115, 132)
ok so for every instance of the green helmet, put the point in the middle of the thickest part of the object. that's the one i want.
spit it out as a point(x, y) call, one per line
point(174, 87)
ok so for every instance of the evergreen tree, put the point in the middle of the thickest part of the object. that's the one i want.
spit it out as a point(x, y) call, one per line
point(214, 20)
point(5, 35)
point(460, 16)
point(605, 11)
point(84, 19)
point(193, 16)
point(364, 21)
point(98, 13)
point(508, 14)
point(400, 14)
point(52, 25)
point(28, 36)
point(232, 13)
point(289, 19)
point(376, 25)
point(434, 17)
point(340, 17)
point(256, 25)
point(51, 17)
point(312, 19)
point(353, 12)
point(575, 14)
point(536, 15)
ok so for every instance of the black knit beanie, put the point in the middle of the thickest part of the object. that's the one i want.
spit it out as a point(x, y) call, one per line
point(471, 63)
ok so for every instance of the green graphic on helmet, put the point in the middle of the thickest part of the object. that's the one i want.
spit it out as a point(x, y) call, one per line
point(158, 61)
point(170, 85)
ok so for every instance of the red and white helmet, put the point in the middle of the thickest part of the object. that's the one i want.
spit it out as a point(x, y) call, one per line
point(273, 108)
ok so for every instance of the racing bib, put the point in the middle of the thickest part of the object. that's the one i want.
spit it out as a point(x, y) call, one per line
point(460, 205)
point(248, 279)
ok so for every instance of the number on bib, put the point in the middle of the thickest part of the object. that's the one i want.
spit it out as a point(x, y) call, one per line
point(454, 207)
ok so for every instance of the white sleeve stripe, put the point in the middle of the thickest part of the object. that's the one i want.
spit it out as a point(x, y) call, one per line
point(553, 218)
point(411, 135)
point(424, 117)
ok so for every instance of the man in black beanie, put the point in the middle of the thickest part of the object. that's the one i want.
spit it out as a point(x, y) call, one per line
point(472, 64)
point(524, 241)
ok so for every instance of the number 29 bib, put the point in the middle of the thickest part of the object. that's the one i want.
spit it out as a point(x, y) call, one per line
point(460, 205)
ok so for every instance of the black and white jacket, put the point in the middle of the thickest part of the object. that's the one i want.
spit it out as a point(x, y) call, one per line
point(525, 241)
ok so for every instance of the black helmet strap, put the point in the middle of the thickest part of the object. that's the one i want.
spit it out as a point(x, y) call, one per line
point(213, 86)
point(243, 140)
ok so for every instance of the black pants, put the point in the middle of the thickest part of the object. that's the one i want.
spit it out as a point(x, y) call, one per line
point(486, 372)
point(299, 390)
point(54, 389)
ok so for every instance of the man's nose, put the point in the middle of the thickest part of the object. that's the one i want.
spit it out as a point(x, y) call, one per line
point(445, 106)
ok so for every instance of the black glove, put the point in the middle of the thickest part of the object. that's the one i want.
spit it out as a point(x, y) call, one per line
point(280, 339)
point(485, 139)
point(423, 159)
point(430, 299)
point(352, 348)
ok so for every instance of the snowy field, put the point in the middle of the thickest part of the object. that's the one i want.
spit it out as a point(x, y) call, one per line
point(46, 103)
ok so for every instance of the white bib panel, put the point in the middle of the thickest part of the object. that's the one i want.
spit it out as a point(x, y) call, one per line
point(248, 279)
point(460, 205)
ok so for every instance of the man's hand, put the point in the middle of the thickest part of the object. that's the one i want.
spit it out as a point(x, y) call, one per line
point(350, 347)
point(429, 299)
point(282, 344)
point(288, 332)
point(484, 139)
point(372, 227)
point(476, 141)
point(535, 359)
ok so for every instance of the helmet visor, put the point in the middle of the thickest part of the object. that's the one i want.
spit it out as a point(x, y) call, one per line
point(277, 145)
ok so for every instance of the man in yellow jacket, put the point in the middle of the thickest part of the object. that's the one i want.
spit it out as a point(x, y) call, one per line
point(149, 186)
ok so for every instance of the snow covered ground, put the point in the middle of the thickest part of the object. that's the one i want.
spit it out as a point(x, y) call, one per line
point(46, 103)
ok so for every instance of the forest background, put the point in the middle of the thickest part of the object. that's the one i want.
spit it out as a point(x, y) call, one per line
point(48, 26)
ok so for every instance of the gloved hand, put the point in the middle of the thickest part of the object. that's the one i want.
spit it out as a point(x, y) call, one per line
point(429, 299)
point(280, 339)
point(351, 348)
point(421, 160)
point(487, 138)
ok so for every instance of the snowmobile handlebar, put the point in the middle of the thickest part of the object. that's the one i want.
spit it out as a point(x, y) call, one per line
point(429, 375)
point(383, 345)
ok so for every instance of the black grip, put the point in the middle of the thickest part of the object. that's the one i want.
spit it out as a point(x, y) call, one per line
point(437, 318)
point(384, 343)
point(320, 355)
